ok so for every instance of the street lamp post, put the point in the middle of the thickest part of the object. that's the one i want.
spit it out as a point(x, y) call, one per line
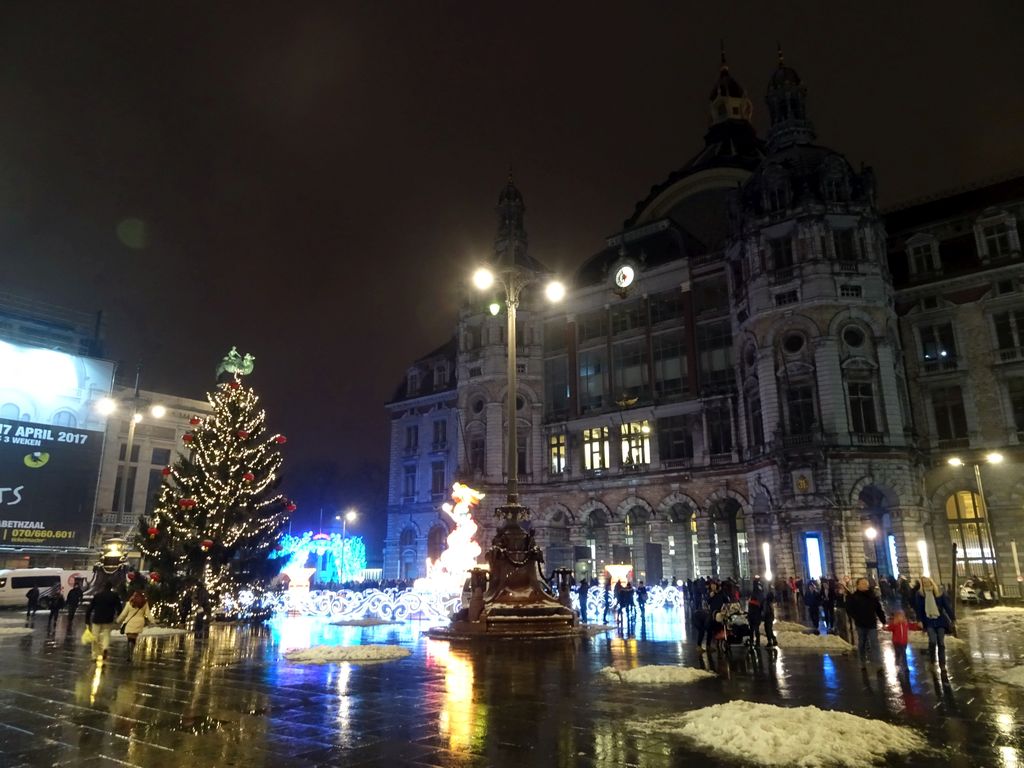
point(348, 517)
point(514, 279)
point(992, 458)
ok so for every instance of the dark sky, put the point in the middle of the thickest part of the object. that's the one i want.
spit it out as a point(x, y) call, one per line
point(315, 180)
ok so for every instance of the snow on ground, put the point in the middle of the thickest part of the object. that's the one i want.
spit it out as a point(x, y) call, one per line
point(997, 619)
point(326, 654)
point(789, 736)
point(920, 640)
point(6, 632)
point(10, 620)
point(789, 626)
point(115, 634)
point(597, 629)
point(363, 623)
point(656, 674)
point(1011, 676)
point(800, 641)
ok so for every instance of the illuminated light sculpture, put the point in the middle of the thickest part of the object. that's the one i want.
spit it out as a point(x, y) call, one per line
point(657, 597)
point(447, 574)
point(351, 605)
point(348, 552)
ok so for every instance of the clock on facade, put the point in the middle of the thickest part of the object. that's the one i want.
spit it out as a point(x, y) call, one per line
point(624, 276)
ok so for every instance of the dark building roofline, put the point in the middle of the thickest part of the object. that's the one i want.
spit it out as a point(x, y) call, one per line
point(957, 202)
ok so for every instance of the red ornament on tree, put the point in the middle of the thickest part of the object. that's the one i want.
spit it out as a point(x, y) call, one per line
point(153, 531)
point(195, 421)
point(166, 471)
point(130, 576)
point(186, 503)
point(154, 577)
point(207, 543)
point(187, 437)
point(242, 434)
point(234, 384)
point(292, 506)
point(248, 477)
point(280, 439)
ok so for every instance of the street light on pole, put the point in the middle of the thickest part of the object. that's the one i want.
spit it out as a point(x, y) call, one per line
point(348, 517)
point(513, 280)
point(993, 457)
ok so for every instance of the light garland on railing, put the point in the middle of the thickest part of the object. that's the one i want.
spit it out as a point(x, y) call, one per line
point(351, 605)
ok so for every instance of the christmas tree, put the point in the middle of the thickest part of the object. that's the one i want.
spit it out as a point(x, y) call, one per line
point(218, 516)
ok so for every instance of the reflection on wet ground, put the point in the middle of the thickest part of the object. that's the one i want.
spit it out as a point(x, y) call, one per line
point(229, 699)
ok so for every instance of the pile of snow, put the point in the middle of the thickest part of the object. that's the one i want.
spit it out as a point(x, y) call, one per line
point(148, 632)
point(920, 640)
point(789, 626)
point(363, 622)
point(14, 632)
point(1011, 676)
point(1000, 618)
point(655, 674)
point(785, 736)
point(802, 641)
point(326, 654)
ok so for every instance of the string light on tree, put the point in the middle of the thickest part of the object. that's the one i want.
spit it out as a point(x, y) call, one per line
point(218, 515)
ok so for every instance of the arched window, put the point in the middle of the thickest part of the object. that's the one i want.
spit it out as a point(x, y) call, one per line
point(437, 541)
point(968, 529)
point(65, 419)
point(408, 538)
point(10, 411)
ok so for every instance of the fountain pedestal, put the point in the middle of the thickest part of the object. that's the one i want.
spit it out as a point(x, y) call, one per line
point(517, 601)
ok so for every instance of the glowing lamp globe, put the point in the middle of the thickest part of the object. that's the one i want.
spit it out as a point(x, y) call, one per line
point(554, 291)
point(483, 278)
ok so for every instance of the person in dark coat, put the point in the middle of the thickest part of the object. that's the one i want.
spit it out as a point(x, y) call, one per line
point(865, 611)
point(935, 613)
point(755, 610)
point(717, 600)
point(74, 600)
point(582, 591)
point(641, 600)
point(99, 617)
point(812, 602)
point(33, 602)
point(768, 613)
point(56, 606)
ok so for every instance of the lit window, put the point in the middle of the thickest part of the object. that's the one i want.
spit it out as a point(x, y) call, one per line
point(596, 451)
point(636, 443)
point(556, 452)
point(938, 346)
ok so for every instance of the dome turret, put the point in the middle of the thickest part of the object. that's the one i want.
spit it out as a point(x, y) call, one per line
point(787, 106)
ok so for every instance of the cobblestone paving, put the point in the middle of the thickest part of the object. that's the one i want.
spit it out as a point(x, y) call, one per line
point(230, 700)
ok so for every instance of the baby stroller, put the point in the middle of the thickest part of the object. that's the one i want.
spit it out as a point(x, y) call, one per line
point(737, 628)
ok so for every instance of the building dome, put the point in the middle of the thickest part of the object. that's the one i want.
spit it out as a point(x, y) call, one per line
point(727, 86)
point(510, 193)
point(784, 76)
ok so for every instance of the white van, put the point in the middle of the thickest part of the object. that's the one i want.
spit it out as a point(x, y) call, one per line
point(16, 582)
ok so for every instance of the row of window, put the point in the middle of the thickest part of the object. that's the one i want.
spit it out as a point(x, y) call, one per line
point(939, 348)
point(995, 240)
point(412, 436)
point(63, 418)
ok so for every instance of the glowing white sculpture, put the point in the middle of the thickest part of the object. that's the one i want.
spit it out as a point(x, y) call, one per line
point(447, 574)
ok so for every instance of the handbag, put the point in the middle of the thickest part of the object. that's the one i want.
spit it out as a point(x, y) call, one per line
point(87, 636)
point(129, 619)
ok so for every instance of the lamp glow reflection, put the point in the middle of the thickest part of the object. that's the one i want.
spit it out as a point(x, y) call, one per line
point(922, 548)
point(767, 549)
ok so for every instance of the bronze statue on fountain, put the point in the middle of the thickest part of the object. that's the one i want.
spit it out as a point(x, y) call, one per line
point(513, 599)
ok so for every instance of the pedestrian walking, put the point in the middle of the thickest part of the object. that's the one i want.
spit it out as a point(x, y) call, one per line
point(33, 603)
point(717, 600)
point(56, 606)
point(829, 596)
point(582, 592)
point(865, 611)
point(607, 599)
point(812, 602)
point(935, 611)
point(641, 600)
point(75, 595)
point(768, 614)
point(133, 619)
point(99, 617)
point(900, 628)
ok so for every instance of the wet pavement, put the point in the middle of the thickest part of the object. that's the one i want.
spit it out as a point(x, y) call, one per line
point(230, 699)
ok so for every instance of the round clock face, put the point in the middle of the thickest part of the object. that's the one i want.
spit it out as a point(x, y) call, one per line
point(624, 276)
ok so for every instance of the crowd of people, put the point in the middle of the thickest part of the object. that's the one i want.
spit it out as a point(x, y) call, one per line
point(127, 610)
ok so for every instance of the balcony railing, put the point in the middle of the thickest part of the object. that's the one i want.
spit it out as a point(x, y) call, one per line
point(867, 438)
point(798, 440)
point(937, 366)
point(717, 459)
point(848, 266)
point(953, 442)
point(1011, 354)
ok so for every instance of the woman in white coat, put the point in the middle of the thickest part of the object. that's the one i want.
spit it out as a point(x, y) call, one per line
point(134, 618)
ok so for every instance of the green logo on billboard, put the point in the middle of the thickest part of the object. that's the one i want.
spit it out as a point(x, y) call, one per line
point(36, 460)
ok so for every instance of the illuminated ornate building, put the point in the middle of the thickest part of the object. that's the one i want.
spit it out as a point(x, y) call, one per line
point(724, 391)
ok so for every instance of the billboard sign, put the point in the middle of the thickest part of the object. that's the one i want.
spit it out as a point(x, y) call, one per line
point(51, 445)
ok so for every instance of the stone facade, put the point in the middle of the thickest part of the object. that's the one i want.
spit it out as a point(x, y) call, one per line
point(724, 391)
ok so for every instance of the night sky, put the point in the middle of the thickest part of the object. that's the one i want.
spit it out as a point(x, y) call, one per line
point(312, 182)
